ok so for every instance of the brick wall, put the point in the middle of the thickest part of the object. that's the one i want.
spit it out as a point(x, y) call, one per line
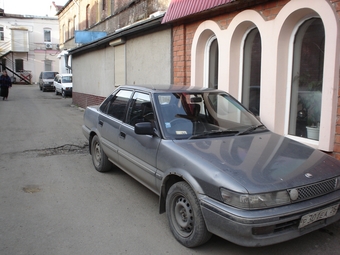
point(83, 100)
point(183, 35)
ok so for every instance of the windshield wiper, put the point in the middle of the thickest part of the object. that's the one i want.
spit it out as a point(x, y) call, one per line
point(250, 129)
point(214, 133)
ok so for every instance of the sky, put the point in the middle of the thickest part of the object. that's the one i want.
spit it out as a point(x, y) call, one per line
point(29, 7)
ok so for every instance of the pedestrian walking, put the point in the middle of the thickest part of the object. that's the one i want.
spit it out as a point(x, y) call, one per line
point(5, 83)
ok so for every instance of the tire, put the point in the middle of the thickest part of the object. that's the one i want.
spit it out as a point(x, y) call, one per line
point(63, 93)
point(185, 217)
point(99, 159)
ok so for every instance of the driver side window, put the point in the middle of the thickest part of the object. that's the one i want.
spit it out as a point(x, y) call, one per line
point(141, 109)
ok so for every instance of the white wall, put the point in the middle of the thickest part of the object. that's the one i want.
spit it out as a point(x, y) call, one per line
point(36, 52)
point(149, 59)
point(142, 60)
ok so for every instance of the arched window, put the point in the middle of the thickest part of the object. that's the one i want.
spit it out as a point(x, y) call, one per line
point(63, 33)
point(75, 24)
point(69, 29)
point(307, 76)
point(88, 16)
point(251, 80)
point(211, 63)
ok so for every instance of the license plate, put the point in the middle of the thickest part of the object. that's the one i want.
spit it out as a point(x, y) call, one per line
point(318, 215)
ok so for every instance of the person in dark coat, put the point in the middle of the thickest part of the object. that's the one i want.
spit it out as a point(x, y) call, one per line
point(5, 83)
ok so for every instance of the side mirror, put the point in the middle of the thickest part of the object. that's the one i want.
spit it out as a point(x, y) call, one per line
point(144, 128)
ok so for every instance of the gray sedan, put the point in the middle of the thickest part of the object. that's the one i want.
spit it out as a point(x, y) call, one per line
point(216, 168)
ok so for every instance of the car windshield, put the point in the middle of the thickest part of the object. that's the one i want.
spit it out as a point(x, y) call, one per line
point(205, 114)
point(67, 79)
point(48, 75)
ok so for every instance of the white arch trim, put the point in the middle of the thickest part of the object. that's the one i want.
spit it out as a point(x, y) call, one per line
point(331, 65)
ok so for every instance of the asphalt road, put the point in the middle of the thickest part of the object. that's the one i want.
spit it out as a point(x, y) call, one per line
point(52, 201)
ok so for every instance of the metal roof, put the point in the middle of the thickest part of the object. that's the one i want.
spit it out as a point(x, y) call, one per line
point(182, 8)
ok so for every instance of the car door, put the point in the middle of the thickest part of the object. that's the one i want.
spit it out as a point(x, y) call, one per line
point(56, 83)
point(114, 111)
point(137, 153)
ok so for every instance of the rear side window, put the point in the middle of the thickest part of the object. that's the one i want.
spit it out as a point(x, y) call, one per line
point(116, 105)
point(67, 79)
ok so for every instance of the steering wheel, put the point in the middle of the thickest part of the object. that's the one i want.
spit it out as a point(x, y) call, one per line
point(178, 122)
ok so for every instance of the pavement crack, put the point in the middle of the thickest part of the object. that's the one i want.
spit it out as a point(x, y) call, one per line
point(60, 150)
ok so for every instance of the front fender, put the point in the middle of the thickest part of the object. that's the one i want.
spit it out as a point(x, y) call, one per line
point(176, 175)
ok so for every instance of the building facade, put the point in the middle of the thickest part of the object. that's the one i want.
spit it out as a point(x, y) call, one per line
point(136, 50)
point(102, 15)
point(280, 58)
point(28, 46)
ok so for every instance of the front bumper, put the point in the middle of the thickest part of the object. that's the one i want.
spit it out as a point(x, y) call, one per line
point(265, 227)
point(48, 87)
point(68, 91)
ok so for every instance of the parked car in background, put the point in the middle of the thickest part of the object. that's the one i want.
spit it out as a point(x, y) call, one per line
point(216, 168)
point(46, 79)
point(63, 84)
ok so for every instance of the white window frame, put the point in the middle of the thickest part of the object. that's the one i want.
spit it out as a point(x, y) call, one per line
point(310, 142)
point(207, 60)
point(242, 63)
point(2, 33)
point(50, 31)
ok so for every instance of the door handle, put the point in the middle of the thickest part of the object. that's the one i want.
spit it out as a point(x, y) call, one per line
point(122, 135)
point(101, 123)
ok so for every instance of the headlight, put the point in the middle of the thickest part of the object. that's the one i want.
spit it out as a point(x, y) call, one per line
point(256, 201)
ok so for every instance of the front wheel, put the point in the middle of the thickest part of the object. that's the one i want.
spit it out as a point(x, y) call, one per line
point(99, 158)
point(185, 216)
point(63, 94)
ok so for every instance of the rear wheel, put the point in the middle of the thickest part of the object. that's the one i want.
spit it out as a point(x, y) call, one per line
point(185, 216)
point(99, 158)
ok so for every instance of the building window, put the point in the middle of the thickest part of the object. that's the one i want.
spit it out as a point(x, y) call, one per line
point(251, 82)
point(64, 33)
point(69, 30)
point(48, 65)
point(19, 65)
point(211, 61)
point(88, 16)
point(2, 37)
point(47, 35)
point(75, 25)
point(307, 76)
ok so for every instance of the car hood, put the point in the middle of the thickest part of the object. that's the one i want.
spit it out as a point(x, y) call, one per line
point(263, 162)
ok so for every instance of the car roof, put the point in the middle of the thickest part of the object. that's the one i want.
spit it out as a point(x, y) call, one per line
point(65, 74)
point(169, 88)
